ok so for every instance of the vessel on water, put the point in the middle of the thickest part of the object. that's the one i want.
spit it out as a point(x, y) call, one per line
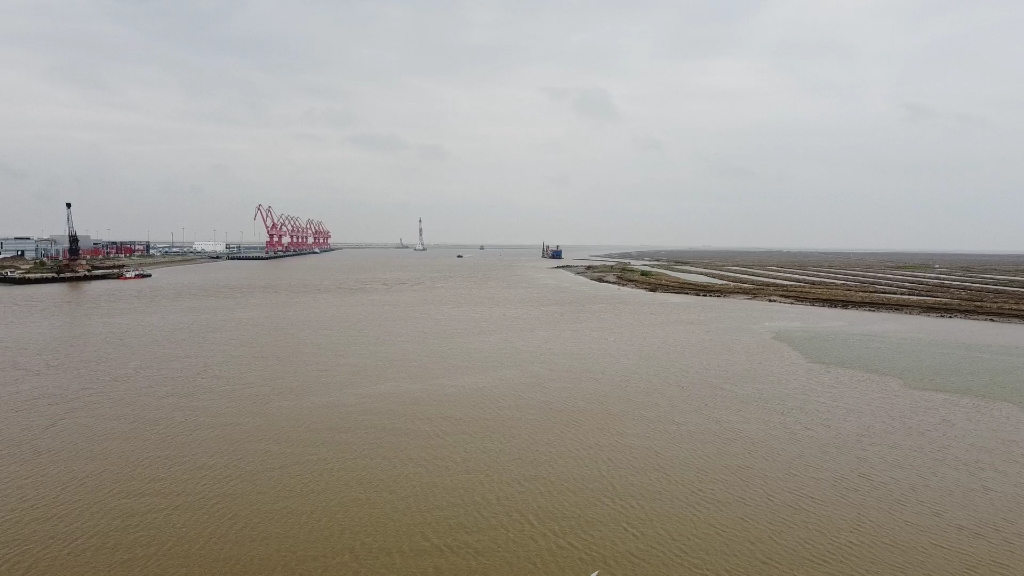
point(52, 278)
point(481, 246)
point(134, 274)
point(458, 256)
point(547, 251)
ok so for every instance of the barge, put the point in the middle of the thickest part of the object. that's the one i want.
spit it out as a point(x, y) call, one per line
point(547, 251)
point(9, 277)
point(50, 278)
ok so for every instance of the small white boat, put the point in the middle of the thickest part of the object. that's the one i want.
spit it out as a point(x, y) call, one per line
point(134, 274)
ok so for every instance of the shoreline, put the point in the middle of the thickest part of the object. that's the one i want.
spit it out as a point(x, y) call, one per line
point(152, 262)
point(182, 262)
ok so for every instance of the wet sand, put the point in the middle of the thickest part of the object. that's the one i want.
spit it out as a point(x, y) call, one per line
point(980, 287)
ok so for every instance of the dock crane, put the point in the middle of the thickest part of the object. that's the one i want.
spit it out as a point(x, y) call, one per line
point(74, 249)
point(71, 263)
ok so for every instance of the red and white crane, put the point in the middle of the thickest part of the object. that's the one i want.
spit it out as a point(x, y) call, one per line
point(302, 235)
point(275, 229)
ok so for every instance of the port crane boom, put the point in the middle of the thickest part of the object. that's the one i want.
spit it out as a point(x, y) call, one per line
point(74, 249)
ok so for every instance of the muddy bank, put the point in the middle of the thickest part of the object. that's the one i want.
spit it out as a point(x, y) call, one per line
point(940, 301)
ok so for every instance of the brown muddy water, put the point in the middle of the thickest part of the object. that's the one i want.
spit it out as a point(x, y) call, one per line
point(392, 412)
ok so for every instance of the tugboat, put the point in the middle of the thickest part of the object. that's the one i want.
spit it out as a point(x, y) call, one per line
point(134, 274)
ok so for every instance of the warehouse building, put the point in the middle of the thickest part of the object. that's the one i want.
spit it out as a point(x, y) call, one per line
point(85, 242)
point(27, 247)
point(209, 246)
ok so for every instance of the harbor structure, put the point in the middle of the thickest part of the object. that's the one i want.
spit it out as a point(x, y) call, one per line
point(420, 246)
point(205, 246)
point(85, 242)
point(27, 247)
point(286, 233)
point(91, 248)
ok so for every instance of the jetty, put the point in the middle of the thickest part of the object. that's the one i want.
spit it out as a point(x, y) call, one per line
point(273, 255)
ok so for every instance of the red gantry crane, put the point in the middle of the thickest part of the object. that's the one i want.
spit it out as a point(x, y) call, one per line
point(275, 229)
point(302, 235)
point(296, 234)
point(321, 235)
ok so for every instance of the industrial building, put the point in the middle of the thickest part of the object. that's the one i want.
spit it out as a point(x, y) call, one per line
point(56, 247)
point(85, 242)
point(209, 246)
point(27, 247)
point(101, 248)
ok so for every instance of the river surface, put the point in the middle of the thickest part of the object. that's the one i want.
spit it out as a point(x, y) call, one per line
point(392, 412)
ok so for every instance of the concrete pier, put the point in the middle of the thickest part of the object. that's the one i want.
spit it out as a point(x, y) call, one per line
point(265, 256)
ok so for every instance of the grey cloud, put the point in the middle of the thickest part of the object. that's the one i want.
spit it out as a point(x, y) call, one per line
point(311, 137)
point(329, 117)
point(591, 103)
point(381, 143)
point(12, 171)
point(727, 170)
point(432, 152)
point(649, 144)
point(723, 166)
point(560, 180)
point(812, 109)
point(917, 113)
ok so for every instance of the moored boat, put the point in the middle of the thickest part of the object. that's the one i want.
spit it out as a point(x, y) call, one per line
point(547, 251)
point(134, 274)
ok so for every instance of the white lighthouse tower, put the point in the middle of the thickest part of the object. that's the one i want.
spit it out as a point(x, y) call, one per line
point(420, 246)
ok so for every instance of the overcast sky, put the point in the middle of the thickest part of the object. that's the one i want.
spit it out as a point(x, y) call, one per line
point(859, 124)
